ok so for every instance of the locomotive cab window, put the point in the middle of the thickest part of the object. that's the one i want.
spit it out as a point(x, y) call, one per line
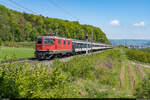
point(48, 41)
point(39, 41)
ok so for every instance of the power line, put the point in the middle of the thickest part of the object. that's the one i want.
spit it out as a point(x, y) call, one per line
point(10, 5)
point(21, 6)
point(61, 8)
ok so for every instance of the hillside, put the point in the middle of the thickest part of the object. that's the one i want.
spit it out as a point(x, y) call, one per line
point(17, 26)
point(106, 74)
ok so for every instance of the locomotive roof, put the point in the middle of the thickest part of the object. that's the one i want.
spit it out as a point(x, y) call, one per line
point(74, 40)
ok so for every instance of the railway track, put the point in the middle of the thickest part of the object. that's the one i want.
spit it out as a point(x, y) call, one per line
point(47, 61)
point(19, 60)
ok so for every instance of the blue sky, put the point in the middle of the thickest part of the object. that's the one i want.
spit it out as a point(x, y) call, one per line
point(119, 19)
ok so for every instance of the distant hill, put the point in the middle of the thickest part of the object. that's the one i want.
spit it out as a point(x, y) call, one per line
point(17, 26)
point(128, 42)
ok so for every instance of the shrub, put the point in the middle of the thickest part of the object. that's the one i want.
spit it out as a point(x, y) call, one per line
point(143, 89)
point(138, 55)
point(60, 80)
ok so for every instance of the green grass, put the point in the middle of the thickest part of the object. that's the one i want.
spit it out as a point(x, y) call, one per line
point(19, 44)
point(146, 70)
point(127, 79)
point(136, 75)
point(81, 76)
point(9, 52)
point(91, 76)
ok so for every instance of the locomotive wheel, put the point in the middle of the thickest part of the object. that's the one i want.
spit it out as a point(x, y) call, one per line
point(49, 57)
point(41, 58)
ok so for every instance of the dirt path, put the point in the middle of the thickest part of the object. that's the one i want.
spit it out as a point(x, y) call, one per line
point(131, 74)
point(140, 71)
point(122, 76)
point(141, 64)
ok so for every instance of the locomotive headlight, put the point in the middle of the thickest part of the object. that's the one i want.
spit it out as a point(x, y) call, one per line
point(42, 46)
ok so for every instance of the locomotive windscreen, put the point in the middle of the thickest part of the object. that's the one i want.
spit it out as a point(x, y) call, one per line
point(39, 41)
point(48, 41)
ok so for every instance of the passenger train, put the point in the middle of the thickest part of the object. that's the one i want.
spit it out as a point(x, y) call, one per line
point(48, 46)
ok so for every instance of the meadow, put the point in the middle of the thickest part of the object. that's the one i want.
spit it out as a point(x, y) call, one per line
point(7, 53)
point(19, 44)
point(108, 74)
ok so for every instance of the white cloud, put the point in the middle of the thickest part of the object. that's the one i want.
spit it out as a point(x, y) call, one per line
point(115, 22)
point(139, 24)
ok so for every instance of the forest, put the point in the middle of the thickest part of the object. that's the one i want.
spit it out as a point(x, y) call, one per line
point(19, 27)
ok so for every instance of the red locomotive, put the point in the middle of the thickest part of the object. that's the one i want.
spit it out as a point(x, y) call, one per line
point(48, 46)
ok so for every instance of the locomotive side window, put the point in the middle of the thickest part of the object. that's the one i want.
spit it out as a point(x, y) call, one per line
point(59, 41)
point(64, 42)
point(39, 41)
point(68, 42)
point(48, 41)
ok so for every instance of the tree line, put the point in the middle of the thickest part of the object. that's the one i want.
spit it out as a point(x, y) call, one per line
point(138, 55)
point(16, 26)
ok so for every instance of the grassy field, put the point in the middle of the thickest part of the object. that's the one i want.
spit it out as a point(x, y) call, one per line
point(19, 44)
point(99, 75)
point(9, 52)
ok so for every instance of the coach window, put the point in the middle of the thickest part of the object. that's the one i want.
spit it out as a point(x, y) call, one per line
point(78, 45)
point(81, 45)
point(75, 45)
point(64, 42)
point(59, 41)
point(84, 45)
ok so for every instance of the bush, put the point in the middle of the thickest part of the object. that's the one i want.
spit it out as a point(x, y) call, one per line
point(143, 89)
point(138, 55)
point(60, 80)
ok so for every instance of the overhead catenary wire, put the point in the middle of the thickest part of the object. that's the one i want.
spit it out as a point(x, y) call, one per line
point(64, 10)
point(23, 7)
point(10, 5)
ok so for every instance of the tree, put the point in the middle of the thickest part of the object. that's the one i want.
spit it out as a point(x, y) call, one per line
point(28, 30)
point(0, 41)
point(17, 26)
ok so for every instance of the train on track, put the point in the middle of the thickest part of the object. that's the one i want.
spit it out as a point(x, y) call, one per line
point(49, 46)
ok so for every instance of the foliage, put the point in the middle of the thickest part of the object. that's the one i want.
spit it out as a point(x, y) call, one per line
point(122, 46)
point(16, 26)
point(0, 41)
point(145, 49)
point(138, 55)
point(143, 89)
point(82, 76)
